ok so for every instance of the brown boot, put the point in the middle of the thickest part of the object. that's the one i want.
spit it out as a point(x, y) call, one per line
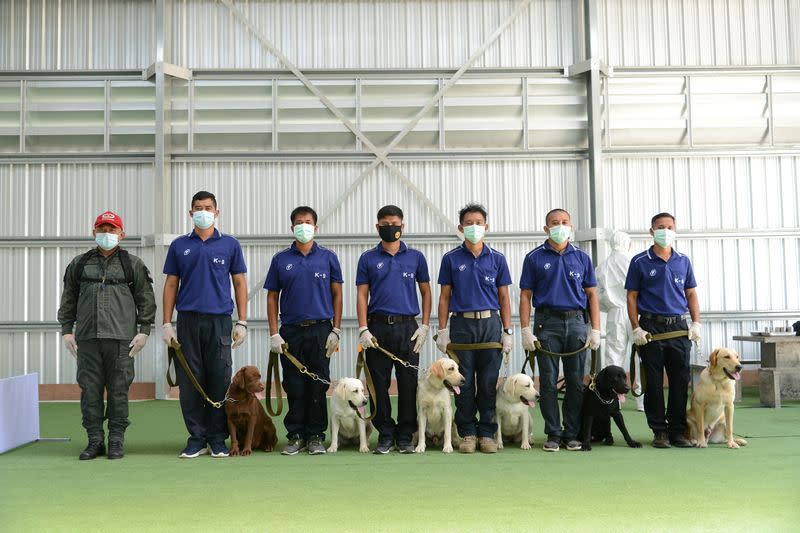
point(488, 445)
point(660, 440)
point(467, 445)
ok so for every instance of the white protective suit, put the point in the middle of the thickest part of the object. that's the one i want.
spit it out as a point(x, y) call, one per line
point(613, 298)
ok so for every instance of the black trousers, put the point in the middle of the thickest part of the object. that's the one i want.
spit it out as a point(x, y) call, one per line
point(671, 355)
point(206, 343)
point(307, 415)
point(395, 338)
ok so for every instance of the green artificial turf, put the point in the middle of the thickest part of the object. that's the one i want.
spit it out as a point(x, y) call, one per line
point(44, 487)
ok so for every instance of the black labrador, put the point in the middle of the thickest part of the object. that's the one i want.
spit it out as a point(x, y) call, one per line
point(601, 405)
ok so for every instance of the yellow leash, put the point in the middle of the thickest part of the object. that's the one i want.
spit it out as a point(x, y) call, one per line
point(273, 374)
point(635, 350)
point(362, 364)
point(454, 347)
point(174, 352)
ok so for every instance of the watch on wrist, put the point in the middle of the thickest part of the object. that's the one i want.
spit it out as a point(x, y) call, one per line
point(508, 331)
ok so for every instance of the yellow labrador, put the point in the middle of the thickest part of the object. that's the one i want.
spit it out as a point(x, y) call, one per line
point(710, 418)
point(514, 399)
point(347, 402)
point(434, 408)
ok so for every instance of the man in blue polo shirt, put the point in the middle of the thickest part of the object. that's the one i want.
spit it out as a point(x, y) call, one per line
point(199, 268)
point(661, 289)
point(387, 305)
point(559, 280)
point(474, 283)
point(304, 282)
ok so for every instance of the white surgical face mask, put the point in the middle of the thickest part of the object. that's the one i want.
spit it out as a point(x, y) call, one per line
point(664, 237)
point(474, 233)
point(560, 233)
point(203, 219)
point(303, 232)
point(106, 241)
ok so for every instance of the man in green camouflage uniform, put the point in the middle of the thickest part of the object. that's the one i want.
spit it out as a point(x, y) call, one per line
point(108, 301)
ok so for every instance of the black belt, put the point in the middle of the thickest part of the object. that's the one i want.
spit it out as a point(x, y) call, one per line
point(306, 323)
point(661, 319)
point(564, 315)
point(390, 319)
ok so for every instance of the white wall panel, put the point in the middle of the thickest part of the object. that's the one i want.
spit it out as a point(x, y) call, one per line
point(56, 200)
point(76, 34)
point(699, 32)
point(388, 34)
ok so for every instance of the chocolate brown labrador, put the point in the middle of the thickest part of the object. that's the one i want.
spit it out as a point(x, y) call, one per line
point(247, 420)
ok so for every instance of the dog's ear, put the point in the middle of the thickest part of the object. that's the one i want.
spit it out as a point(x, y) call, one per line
point(340, 388)
point(437, 369)
point(712, 359)
point(238, 380)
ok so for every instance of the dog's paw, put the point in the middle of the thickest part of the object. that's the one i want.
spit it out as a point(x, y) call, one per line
point(608, 441)
point(246, 452)
point(525, 446)
point(448, 448)
point(333, 449)
point(363, 449)
point(586, 447)
point(634, 444)
point(419, 449)
point(741, 442)
point(732, 445)
point(234, 451)
point(702, 444)
point(499, 445)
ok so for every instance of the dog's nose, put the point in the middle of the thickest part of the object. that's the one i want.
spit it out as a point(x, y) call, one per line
point(738, 368)
point(461, 383)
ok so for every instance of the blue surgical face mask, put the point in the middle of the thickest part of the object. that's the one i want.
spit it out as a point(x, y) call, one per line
point(560, 233)
point(303, 232)
point(203, 219)
point(664, 237)
point(106, 241)
point(474, 233)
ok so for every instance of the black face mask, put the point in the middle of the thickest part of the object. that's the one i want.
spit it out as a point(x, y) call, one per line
point(389, 233)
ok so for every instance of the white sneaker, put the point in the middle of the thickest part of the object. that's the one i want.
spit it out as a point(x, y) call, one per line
point(191, 452)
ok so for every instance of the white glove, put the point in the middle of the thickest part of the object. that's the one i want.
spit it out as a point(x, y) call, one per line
point(421, 335)
point(239, 333)
point(507, 340)
point(640, 337)
point(137, 344)
point(443, 339)
point(333, 342)
point(694, 332)
point(594, 339)
point(72, 346)
point(528, 339)
point(276, 343)
point(366, 339)
point(168, 333)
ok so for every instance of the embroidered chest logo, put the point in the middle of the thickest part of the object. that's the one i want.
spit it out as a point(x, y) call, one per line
point(187, 251)
point(678, 281)
point(379, 265)
point(575, 275)
point(462, 268)
point(320, 275)
point(488, 279)
point(289, 266)
point(653, 273)
point(408, 275)
point(218, 261)
point(547, 266)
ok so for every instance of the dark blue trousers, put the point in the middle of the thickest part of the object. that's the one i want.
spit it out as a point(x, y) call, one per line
point(206, 343)
point(480, 369)
point(307, 415)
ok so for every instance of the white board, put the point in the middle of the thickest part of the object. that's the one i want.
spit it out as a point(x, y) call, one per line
point(19, 411)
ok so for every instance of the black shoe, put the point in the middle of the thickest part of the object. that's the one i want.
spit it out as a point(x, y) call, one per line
point(679, 441)
point(660, 440)
point(93, 449)
point(383, 447)
point(115, 449)
point(406, 447)
point(315, 446)
point(294, 446)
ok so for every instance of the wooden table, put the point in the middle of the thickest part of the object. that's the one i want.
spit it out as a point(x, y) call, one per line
point(779, 375)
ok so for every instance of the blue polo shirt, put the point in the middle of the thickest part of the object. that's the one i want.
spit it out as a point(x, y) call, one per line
point(558, 280)
point(661, 284)
point(304, 282)
point(474, 280)
point(205, 269)
point(392, 279)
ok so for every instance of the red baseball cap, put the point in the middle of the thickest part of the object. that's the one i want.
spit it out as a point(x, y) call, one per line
point(109, 217)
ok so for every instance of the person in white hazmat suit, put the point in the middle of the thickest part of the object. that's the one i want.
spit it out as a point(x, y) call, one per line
point(611, 275)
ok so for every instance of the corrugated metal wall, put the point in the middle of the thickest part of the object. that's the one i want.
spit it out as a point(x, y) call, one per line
point(737, 212)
